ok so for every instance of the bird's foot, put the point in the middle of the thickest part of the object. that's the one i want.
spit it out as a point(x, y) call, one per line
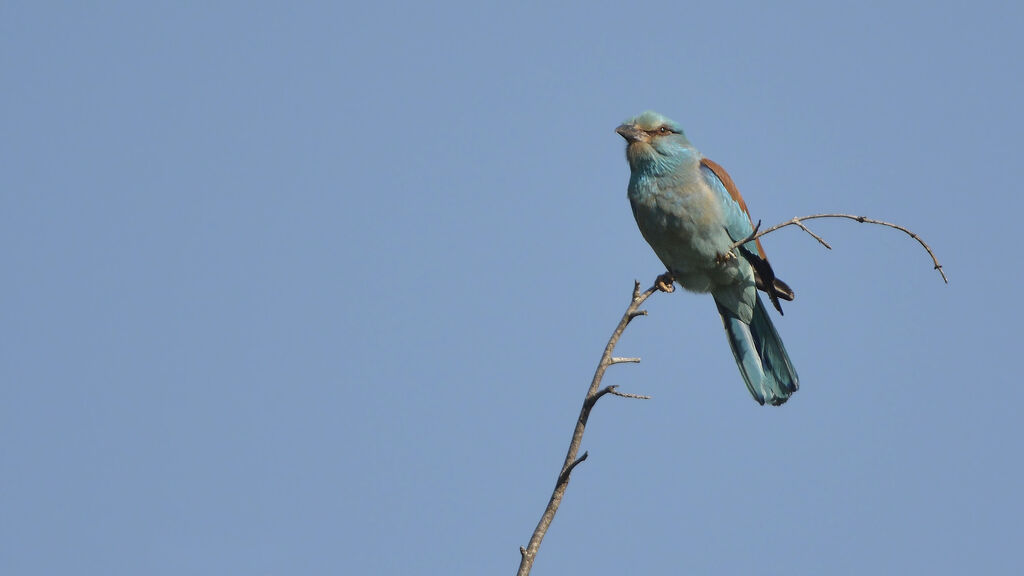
point(665, 282)
point(723, 258)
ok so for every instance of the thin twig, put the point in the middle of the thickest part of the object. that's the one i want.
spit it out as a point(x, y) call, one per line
point(798, 221)
point(564, 476)
point(614, 391)
point(815, 236)
point(529, 552)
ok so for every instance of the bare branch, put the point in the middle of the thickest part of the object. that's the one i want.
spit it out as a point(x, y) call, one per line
point(594, 393)
point(529, 552)
point(815, 236)
point(798, 221)
point(614, 391)
point(564, 476)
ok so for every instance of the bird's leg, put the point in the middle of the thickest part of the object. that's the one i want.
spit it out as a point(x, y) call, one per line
point(665, 282)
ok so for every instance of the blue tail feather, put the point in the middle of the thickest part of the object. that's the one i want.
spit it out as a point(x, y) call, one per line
point(761, 356)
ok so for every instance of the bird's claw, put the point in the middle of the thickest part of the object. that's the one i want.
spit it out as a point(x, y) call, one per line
point(723, 258)
point(665, 282)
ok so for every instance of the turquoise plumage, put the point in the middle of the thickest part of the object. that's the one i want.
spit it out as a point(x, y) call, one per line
point(690, 212)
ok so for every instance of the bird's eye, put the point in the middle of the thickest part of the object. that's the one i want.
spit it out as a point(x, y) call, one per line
point(663, 130)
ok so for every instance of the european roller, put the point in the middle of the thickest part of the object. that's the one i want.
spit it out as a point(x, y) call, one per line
point(690, 212)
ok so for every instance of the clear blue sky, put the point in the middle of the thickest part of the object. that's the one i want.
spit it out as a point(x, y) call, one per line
point(318, 289)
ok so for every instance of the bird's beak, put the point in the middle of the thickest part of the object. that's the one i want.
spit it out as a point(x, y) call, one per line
point(631, 133)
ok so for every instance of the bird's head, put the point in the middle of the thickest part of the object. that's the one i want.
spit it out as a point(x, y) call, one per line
point(654, 141)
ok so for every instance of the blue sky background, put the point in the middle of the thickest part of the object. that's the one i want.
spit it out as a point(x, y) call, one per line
point(319, 289)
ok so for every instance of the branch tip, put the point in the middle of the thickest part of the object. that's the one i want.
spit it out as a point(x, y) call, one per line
point(798, 221)
point(815, 236)
point(628, 395)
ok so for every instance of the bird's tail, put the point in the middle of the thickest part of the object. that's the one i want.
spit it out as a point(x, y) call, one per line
point(760, 355)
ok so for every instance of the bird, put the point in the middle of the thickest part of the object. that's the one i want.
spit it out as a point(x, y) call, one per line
point(691, 213)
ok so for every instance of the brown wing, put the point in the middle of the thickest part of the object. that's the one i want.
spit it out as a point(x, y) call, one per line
point(733, 191)
point(779, 288)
